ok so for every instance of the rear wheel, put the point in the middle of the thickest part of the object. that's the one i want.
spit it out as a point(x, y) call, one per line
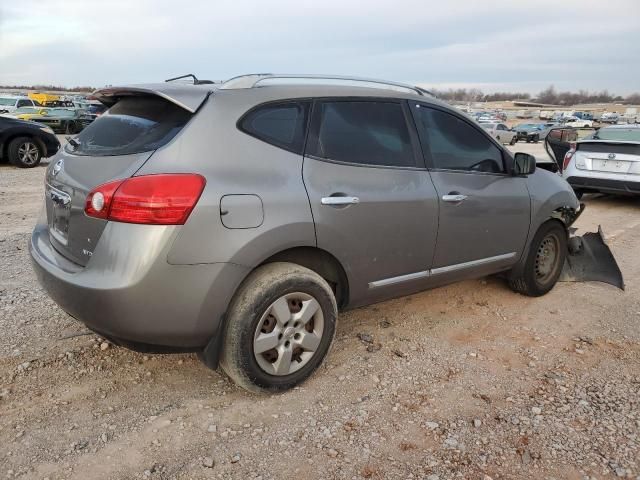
point(280, 326)
point(24, 152)
point(543, 266)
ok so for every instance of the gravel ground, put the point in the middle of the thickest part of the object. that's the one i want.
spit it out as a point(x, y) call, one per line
point(468, 381)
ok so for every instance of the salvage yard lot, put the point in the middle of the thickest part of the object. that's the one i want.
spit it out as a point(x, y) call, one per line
point(468, 381)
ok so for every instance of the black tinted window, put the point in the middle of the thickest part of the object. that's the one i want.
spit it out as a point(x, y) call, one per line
point(454, 144)
point(280, 124)
point(370, 133)
point(133, 125)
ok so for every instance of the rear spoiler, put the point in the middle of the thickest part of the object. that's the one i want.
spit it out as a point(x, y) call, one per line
point(189, 97)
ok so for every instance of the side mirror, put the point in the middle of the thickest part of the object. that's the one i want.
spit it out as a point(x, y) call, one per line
point(523, 164)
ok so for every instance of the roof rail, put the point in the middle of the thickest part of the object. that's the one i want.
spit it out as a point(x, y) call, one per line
point(252, 81)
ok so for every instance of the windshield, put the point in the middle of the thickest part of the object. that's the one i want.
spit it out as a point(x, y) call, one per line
point(133, 125)
point(618, 134)
point(7, 101)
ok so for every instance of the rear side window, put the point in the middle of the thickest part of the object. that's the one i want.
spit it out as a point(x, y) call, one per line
point(133, 125)
point(454, 144)
point(367, 133)
point(282, 124)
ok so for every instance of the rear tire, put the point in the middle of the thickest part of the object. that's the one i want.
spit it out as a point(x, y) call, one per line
point(24, 152)
point(543, 266)
point(280, 326)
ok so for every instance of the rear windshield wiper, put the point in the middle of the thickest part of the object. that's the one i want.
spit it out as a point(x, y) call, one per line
point(73, 142)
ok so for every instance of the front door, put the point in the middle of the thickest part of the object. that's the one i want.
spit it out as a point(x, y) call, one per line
point(484, 211)
point(374, 207)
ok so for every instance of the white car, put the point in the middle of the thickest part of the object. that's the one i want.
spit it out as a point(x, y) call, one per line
point(607, 161)
point(501, 132)
point(576, 122)
point(9, 104)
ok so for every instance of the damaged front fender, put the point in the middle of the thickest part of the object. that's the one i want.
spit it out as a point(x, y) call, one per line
point(591, 260)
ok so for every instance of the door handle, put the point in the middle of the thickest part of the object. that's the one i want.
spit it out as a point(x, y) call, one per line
point(453, 197)
point(339, 200)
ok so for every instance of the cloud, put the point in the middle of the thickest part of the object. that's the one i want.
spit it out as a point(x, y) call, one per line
point(572, 44)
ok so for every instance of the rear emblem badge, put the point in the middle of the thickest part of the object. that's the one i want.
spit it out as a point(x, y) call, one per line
point(612, 156)
point(57, 167)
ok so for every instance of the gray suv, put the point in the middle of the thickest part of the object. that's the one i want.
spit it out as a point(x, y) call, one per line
point(236, 219)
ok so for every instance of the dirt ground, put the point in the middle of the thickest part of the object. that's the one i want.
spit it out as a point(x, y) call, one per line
point(469, 381)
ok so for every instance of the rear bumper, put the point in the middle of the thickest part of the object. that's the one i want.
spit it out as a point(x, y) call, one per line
point(604, 185)
point(135, 296)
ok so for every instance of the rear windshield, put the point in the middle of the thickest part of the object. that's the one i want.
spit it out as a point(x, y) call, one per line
point(618, 134)
point(133, 125)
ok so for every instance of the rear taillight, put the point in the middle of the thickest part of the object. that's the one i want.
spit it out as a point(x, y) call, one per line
point(164, 199)
point(568, 156)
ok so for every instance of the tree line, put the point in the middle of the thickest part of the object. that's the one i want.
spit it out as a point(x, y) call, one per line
point(47, 88)
point(549, 95)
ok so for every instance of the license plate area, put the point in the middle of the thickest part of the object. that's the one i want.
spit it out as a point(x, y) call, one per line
point(59, 214)
point(611, 166)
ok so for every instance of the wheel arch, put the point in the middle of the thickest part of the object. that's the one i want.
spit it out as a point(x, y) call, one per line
point(6, 141)
point(321, 262)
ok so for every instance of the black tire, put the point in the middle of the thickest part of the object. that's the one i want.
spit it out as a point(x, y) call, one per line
point(513, 140)
point(536, 139)
point(532, 282)
point(252, 301)
point(24, 152)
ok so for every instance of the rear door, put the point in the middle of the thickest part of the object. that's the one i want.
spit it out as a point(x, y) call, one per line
point(112, 148)
point(373, 203)
point(484, 211)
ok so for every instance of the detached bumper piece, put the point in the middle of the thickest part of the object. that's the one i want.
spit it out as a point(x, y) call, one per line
point(591, 260)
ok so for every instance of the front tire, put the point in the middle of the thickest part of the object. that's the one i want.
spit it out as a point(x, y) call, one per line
point(280, 327)
point(24, 152)
point(513, 140)
point(543, 266)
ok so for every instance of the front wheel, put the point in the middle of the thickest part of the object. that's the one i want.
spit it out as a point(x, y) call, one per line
point(280, 326)
point(24, 152)
point(513, 140)
point(543, 266)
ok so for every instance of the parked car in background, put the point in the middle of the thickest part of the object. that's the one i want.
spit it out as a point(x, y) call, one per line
point(529, 132)
point(501, 132)
point(286, 178)
point(9, 104)
point(25, 144)
point(608, 161)
point(94, 109)
point(61, 120)
point(609, 117)
point(576, 122)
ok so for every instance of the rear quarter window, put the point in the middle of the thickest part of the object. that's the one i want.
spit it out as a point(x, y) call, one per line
point(282, 124)
point(133, 125)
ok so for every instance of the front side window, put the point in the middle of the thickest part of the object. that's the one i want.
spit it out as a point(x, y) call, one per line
point(455, 144)
point(24, 103)
point(281, 124)
point(362, 132)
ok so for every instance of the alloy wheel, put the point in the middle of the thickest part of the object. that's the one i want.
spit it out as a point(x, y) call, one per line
point(28, 153)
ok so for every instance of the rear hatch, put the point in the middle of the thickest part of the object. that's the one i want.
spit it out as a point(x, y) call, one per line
point(115, 146)
point(608, 157)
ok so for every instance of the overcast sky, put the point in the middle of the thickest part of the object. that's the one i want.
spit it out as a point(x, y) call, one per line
point(491, 44)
